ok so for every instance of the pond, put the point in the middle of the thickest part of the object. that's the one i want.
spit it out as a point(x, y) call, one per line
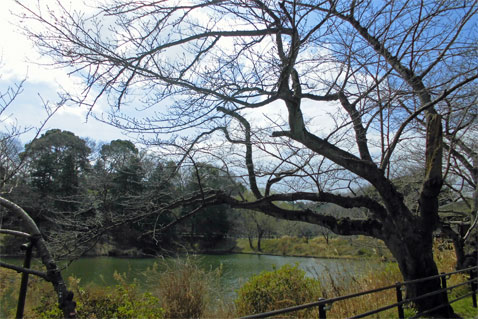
point(236, 268)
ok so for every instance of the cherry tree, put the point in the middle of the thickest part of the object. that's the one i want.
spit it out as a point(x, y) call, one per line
point(311, 101)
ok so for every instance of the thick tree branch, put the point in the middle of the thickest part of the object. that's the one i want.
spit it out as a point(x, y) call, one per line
point(433, 172)
point(215, 34)
point(344, 201)
point(341, 226)
point(27, 222)
point(248, 157)
point(360, 132)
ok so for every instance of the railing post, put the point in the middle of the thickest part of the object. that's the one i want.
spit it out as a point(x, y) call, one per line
point(444, 286)
point(398, 289)
point(24, 283)
point(473, 285)
point(322, 311)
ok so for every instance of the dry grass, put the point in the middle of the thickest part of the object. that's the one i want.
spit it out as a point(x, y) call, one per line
point(387, 275)
point(351, 284)
point(187, 291)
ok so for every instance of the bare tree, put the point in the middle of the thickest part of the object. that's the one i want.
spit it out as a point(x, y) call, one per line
point(250, 84)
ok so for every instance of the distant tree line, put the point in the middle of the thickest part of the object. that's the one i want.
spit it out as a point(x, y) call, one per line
point(80, 192)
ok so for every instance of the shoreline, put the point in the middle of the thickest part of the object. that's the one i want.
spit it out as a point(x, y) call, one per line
point(285, 246)
point(293, 255)
point(216, 253)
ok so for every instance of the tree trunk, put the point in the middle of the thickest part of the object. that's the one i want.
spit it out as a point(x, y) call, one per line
point(410, 238)
point(259, 238)
point(65, 297)
point(251, 245)
point(458, 244)
point(326, 237)
point(414, 255)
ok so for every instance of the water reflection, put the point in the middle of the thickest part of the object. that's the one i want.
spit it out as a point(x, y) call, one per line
point(236, 268)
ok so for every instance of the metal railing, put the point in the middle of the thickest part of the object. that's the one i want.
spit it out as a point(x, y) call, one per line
point(325, 304)
point(28, 248)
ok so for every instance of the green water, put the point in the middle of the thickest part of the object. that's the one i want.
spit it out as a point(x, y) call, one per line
point(236, 268)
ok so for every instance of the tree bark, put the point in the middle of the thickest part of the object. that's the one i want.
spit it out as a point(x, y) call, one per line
point(260, 233)
point(414, 254)
point(251, 245)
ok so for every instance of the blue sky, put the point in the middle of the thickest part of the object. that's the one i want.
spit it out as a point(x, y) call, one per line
point(42, 85)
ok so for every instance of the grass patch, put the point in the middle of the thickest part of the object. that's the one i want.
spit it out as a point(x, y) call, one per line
point(337, 247)
point(464, 308)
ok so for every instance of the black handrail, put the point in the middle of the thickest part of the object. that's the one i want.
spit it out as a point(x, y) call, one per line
point(399, 304)
point(24, 283)
point(25, 270)
point(322, 302)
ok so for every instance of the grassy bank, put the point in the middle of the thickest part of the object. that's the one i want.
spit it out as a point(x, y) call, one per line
point(337, 247)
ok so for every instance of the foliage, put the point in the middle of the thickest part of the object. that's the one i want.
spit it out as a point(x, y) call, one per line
point(286, 286)
point(9, 281)
point(121, 301)
point(385, 275)
point(57, 160)
point(72, 196)
point(212, 220)
point(39, 292)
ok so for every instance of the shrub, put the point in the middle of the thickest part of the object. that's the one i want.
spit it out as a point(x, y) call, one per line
point(122, 301)
point(184, 288)
point(284, 287)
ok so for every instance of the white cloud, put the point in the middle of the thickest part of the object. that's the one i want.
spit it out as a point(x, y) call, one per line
point(20, 60)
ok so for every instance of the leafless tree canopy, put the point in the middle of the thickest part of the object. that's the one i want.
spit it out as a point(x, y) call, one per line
point(289, 82)
point(305, 100)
